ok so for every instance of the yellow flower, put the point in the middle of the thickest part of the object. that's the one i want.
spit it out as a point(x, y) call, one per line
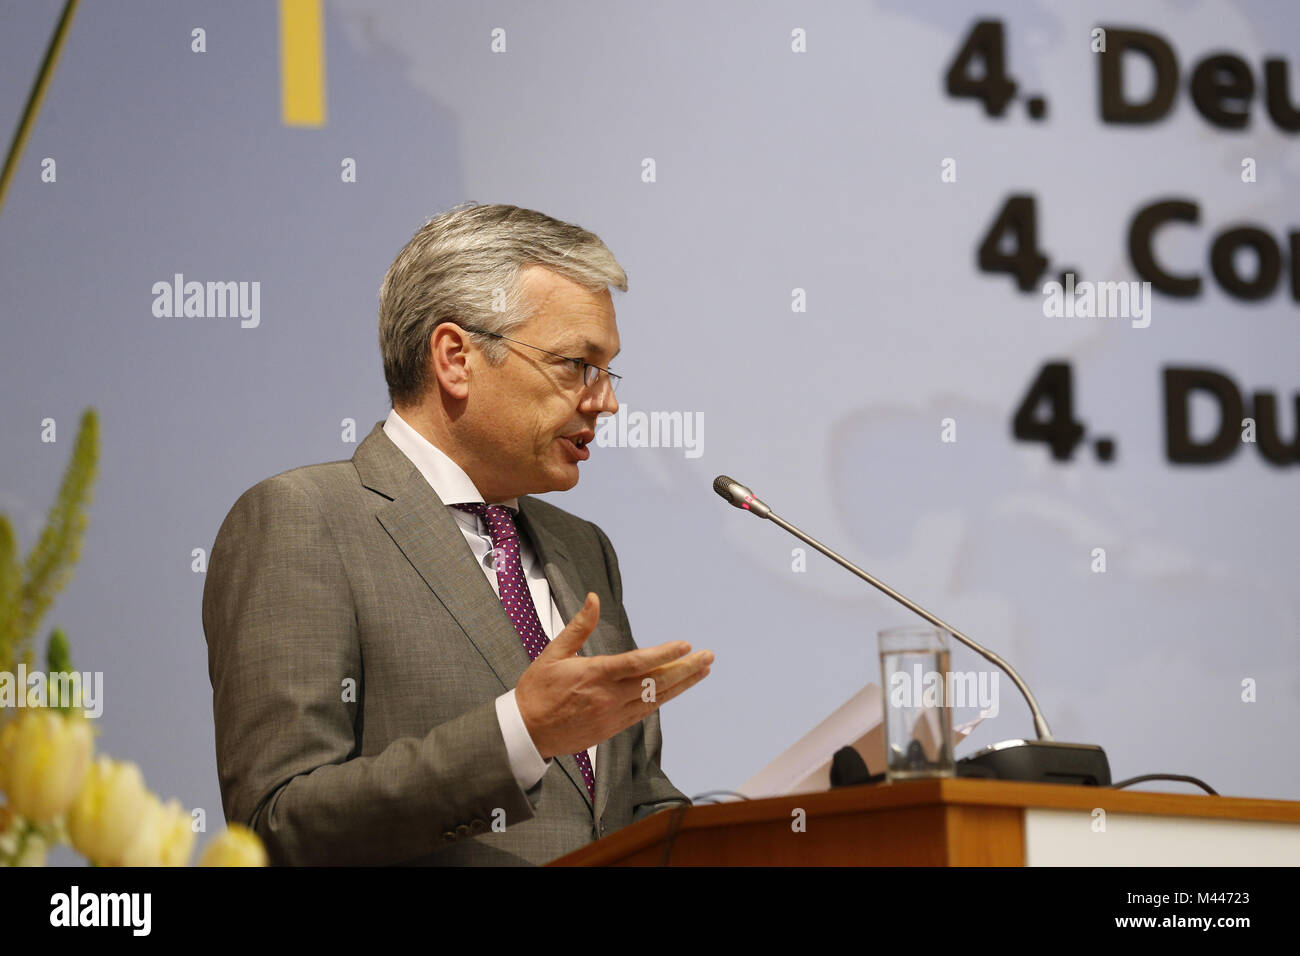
point(44, 756)
point(177, 835)
point(236, 846)
point(164, 836)
point(112, 805)
point(34, 852)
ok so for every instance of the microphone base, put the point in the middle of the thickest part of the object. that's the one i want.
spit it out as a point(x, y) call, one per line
point(1039, 761)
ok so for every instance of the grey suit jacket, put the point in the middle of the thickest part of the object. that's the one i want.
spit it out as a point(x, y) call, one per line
point(356, 651)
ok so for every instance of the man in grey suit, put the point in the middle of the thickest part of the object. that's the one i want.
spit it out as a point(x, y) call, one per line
point(393, 678)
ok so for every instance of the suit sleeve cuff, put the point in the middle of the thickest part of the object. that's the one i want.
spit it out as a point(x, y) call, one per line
point(525, 762)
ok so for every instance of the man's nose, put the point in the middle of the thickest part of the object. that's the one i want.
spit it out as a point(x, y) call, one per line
point(600, 397)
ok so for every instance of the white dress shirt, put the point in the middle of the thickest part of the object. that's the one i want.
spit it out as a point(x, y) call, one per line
point(454, 487)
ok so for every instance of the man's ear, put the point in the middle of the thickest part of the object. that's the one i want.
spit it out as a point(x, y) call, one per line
point(449, 359)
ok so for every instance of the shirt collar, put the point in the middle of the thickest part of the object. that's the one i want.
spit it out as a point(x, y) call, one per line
point(448, 479)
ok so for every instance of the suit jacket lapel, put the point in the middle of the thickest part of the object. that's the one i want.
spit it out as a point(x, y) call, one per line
point(420, 525)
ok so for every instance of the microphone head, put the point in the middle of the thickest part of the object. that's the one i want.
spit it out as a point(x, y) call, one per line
point(740, 496)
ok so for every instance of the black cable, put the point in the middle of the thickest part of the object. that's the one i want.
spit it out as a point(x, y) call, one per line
point(1178, 777)
point(714, 793)
point(673, 826)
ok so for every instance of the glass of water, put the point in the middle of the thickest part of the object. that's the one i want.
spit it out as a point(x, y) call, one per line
point(916, 679)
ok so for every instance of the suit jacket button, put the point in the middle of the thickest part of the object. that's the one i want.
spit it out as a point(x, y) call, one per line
point(449, 837)
point(478, 826)
point(462, 831)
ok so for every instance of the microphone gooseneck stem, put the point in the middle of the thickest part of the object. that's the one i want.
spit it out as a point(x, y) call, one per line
point(1040, 722)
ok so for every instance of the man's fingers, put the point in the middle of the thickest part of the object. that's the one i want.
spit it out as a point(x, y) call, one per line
point(669, 675)
point(641, 708)
point(570, 640)
point(681, 687)
point(664, 683)
point(647, 687)
point(643, 660)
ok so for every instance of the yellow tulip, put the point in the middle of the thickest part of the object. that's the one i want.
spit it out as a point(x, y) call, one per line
point(164, 837)
point(109, 810)
point(177, 835)
point(235, 846)
point(34, 852)
point(44, 756)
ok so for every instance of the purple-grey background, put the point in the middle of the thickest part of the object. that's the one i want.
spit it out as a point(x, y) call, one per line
point(775, 171)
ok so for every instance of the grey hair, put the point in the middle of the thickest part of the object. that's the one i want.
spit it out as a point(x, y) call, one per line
point(464, 266)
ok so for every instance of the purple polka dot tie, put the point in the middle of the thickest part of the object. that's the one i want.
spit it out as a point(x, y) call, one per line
point(512, 588)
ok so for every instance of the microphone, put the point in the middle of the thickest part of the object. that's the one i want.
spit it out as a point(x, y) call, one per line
point(740, 496)
point(1045, 759)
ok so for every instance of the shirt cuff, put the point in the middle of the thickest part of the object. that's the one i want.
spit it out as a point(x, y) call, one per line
point(525, 762)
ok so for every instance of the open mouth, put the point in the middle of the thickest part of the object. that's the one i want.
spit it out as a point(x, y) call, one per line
point(577, 444)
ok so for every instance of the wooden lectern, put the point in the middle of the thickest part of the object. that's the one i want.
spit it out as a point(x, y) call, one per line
point(961, 822)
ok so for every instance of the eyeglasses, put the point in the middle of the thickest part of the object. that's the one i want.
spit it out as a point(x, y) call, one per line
point(590, 373)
